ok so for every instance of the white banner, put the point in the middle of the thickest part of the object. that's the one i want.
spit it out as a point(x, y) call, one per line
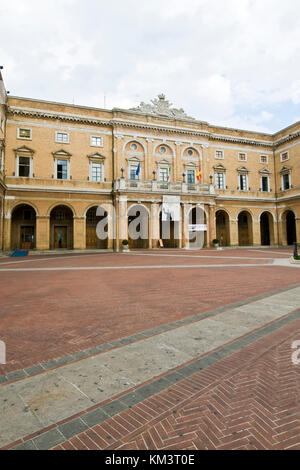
point(171, 208)
point(197, 227)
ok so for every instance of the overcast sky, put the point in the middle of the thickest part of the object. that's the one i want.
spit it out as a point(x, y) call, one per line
point(229, 62)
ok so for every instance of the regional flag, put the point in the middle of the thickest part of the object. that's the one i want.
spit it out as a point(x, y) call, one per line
point(198, 175)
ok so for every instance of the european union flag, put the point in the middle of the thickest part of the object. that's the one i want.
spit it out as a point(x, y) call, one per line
point(138, 169)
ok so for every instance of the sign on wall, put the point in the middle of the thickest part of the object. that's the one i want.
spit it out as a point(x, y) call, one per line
point(171, 208)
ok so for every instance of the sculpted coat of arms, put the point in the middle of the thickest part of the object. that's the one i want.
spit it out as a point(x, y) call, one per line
point(161, 107)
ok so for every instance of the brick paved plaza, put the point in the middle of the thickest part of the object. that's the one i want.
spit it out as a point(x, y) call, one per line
point(169, 349)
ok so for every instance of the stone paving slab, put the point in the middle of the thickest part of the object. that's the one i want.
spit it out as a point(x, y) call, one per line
point(54, 395)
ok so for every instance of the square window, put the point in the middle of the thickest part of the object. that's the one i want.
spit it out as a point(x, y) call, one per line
point(242, 157)
point(284, 156)
point(219, 154)
point(62, 137)
point(96, 141)
point(264, 159)
point(24, 133)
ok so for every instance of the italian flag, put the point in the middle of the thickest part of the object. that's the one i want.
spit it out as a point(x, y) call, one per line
point(198, 175)
point(169, 173)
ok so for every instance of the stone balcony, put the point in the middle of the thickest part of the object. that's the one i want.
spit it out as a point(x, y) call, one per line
point(123, 184)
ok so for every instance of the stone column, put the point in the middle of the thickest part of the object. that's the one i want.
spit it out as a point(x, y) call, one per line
point(212, 225)
point(42, 234)
point(79, 233)
point(298, 230)
point(234, 232)
point(154, 225)
point(185, 226)
point(7, 232)
point(122, 221)
point(282, 233)
point(256, 237)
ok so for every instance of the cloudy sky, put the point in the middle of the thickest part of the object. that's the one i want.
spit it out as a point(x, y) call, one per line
point(234, 63)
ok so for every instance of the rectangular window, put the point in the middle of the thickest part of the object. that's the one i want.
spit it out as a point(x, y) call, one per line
point(163, 174)
point(191, 176)
point(62, 169)
point(62, 137)
point(285, 181)
point(96, 141)
point(242, 157)
point(265, 183)
point(24, 133)
point(264, 159)
point(132, 174)
point(24, 166)
point(97, 172)
point(284, 156)
point(219, 154)
point(243, 182)
point(220, 180)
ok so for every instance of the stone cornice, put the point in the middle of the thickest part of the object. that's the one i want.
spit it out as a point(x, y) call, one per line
point(39, 113)
point(161, 128)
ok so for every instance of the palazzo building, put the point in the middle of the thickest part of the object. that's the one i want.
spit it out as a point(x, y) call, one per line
point(60, 162)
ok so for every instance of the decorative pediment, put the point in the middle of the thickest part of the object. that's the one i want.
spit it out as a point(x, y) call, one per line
point(24, 150)
point(134, 159)
point(96, 156)
point(161, 107)
point(285, 169)
point(219, 167)
point(164, 161)
point(265, 171)
point(243, 169)
point(61, 154)
point(191, 165)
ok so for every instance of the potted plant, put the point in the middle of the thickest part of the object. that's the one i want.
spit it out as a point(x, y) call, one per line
point(216, 242)
point(125, 245)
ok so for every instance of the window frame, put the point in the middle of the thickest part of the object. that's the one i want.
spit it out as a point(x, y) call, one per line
point(96, 137)
point(288, 174)
point(239, 157)
point(17, 172)
point(218, 157)
point(56, 169)
point(101, 165)
point(266, 162)
point(25, 129)
point(241, 175)
point(62, 141)
point(268, 183)
point(284, 153)
point(217, 173)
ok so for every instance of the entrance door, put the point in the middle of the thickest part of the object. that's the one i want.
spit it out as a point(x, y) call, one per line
point(60, 237)
point(27, 238)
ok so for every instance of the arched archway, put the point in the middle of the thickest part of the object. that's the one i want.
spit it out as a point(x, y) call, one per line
point(92, 239)
point(245, 229)
point(266, 229)
point(138, 226)
point(222, 228)
point(23, 227)
point(290, 226)
point(197, 228)
point(61, 227)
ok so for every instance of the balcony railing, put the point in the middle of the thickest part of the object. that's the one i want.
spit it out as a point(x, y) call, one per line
point(123, 184)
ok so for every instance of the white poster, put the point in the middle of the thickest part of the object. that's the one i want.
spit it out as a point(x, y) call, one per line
point(197, 227)
point(171, 208)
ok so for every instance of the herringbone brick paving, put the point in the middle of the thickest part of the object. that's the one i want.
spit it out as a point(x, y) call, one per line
point(249, 400)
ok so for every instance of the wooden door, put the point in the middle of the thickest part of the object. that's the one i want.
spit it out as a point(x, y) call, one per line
point(27, 238)
point(60, 237)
